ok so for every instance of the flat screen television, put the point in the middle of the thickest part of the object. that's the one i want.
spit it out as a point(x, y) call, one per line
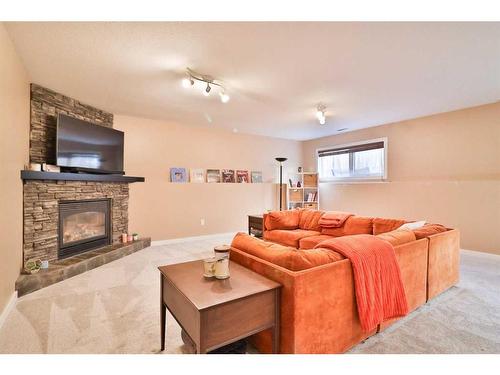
point(86, 147)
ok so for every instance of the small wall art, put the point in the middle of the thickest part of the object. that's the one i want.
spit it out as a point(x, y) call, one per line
point(256, 177)
point(197, 175)
point(228, 175)
point(213, 175)
point(178, 175)
point(242, 177)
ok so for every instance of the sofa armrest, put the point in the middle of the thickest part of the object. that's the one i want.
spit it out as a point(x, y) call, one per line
point(444, 262)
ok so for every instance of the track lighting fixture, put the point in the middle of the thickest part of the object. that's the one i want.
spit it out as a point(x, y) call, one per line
point(192, 76)
point(320, 113)
point(207, 90)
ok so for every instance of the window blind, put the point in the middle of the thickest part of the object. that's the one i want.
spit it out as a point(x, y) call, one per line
point(351, 149)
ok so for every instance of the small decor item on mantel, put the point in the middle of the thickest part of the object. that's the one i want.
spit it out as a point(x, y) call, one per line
point(222, 261)
point(299, 169)
point(124, 237)
point(32, 266)
point(178, 175)
point(35, 167)
point(242, 177)
point(130, 238)
point(50, 168)
point(135, 236)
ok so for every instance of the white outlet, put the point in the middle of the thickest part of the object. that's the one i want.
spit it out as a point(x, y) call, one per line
point(202, 221)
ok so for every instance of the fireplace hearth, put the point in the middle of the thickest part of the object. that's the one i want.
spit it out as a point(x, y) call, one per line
point(83, 225)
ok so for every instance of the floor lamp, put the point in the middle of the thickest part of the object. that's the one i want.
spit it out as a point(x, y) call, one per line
point(281, 160)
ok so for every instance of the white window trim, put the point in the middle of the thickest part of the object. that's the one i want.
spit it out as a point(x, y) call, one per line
point(355, 179)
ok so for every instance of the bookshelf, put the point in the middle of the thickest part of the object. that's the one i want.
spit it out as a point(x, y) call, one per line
point(305, 196)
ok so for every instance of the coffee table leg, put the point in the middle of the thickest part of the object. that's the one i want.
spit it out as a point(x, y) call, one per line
point(163, 316)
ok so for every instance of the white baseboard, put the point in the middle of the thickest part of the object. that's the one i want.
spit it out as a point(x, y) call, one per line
point(186, 239)
point(10, 305)
point(484, 254)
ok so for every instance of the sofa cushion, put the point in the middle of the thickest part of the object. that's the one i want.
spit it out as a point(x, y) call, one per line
point(428, 230)
point(286, 257)
point(309, 219)
point(282, 220)
point(288, 237)
point(398, 236)
point(381, 225)
point(353, 225)
point(311, 242)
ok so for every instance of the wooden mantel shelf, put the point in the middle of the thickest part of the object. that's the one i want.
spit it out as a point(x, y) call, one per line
point(36, 175)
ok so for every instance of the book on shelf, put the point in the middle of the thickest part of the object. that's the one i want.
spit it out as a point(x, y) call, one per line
point(242, 177)
point(228, 175)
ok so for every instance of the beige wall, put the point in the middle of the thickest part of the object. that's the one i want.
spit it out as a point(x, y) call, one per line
point(443, 168)
point(14, 124)
point(165, 210)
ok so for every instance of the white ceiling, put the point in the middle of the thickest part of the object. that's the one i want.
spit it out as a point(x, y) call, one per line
point(366, 73)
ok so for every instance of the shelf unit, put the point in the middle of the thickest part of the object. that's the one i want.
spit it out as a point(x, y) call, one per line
point(297, 197)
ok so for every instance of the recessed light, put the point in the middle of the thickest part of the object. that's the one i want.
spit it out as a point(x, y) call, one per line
point(235, 130)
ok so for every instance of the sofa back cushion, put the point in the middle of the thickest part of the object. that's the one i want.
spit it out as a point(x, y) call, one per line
point(428, 230)
point(353, 225)
point(309, 219)
point(282, 220)
point(398, 236)
point(286, 257)
point(381, 225)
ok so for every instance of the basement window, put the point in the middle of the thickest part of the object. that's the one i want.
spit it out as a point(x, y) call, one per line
point(358, 161)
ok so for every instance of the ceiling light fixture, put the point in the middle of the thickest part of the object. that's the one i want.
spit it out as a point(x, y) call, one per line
point(320, 113)
point(207, 90)
point(192, 76)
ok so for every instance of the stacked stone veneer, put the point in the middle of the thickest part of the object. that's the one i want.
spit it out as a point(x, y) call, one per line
point(41, 198)
point(41, 211)
point(45, 106)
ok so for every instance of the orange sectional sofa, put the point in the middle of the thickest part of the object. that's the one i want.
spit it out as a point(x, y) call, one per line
point(318, 305)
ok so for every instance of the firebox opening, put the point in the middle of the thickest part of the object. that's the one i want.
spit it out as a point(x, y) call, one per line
point(83, 225)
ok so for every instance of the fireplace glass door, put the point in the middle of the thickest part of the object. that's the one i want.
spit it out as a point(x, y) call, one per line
point(83, 225)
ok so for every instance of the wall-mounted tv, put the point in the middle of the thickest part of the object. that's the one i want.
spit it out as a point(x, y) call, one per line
point(86, 147)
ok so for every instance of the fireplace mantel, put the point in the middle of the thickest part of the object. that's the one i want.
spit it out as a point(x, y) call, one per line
point(56, 176)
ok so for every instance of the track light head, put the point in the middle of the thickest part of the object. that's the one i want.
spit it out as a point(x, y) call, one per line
point(187, 82)
point(207, 90)
point(224, 98)
point(320, 113)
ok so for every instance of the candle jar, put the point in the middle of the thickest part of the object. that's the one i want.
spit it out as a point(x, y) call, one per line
point(222, 261)
point(209, 267)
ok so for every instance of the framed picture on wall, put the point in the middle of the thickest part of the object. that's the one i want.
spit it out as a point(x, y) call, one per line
point(178, 175)
point(213, 175)
point(242, 177)
point(228, 175)
point(197, 175)
point(256, 177)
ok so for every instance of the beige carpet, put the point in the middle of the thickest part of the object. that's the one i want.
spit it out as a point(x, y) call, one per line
point(115, 309)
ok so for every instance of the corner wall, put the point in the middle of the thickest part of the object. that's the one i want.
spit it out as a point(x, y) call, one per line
point(165, 210)
point(14, 141)
point(443, 168)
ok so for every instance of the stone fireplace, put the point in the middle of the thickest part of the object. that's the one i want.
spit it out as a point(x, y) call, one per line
point(47, 203)
point(83, 225)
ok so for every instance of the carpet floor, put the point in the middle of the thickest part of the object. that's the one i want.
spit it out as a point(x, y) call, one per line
point(114, 309)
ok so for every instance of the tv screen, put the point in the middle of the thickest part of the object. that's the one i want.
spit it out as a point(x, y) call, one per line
point(85, 146)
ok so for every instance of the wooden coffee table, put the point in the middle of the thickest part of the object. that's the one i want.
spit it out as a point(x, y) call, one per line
point(215, 312)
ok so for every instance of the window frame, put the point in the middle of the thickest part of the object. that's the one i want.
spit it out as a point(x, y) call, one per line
point(354, 178)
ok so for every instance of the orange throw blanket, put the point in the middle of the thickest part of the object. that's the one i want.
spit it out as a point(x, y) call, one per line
point(380, 294)
point(334, 219)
